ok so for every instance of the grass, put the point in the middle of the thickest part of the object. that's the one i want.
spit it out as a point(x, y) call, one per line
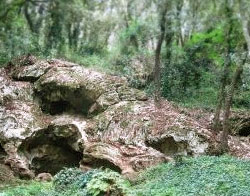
point(26, 188)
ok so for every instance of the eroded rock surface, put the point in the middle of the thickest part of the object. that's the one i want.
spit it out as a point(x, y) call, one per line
point(44, 177)
point(56, 114)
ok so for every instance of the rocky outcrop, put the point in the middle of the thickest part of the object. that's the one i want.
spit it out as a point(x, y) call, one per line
point(6, 174)
point(56, 114)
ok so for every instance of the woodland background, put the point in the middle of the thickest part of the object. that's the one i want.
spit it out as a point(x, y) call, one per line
point(110, 34)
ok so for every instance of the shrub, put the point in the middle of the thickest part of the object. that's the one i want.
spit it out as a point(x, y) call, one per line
point(72, 178)
point(108, 182)
point(73, 181)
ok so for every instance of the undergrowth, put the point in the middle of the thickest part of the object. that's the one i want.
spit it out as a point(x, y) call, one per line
point(202, 176)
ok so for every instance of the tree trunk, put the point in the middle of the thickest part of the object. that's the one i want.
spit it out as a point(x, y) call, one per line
point(228, 104)
point(179, 7)
point(168, 40)
point(221, 94)
point(229, 98)
point(227, 64)
point(157, 69)
point(28, 18)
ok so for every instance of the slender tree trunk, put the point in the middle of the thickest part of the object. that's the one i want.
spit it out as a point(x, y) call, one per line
point(179, 7)
point(221, 94)
point(28, 18)
point(227, 64)
point(168, 40)
point(229, 97)
point(157, 69)
point(228, 104)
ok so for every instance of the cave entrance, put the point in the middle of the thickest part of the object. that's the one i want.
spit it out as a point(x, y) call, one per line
point(62, 100)
point(241, 127)
point(102, 163)
point(49, 153)
point(245, 131)
point(56, 157)
point(170, 147)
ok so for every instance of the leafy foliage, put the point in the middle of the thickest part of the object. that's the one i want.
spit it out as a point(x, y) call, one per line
point(27, 189)
point(107, 181)
point(74, 182)
point(196, 176)
point(205, 175)
point(72, 177)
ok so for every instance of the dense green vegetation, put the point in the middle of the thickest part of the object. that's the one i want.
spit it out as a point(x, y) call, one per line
point(197, 176)
point(25, 188)
point(73, 182)
point(190, 176)
point(109, 35)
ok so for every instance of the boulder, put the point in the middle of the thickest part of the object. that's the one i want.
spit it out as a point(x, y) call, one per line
point(6, 174)
point(44, 177)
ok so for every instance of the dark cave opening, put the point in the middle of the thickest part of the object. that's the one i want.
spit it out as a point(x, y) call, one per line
point(102, 163)
point(59, 101)
point(245, 131)
point(170, 147)
point(167, 146)
point(49, 153)
point(58, 107)
point(55, 161)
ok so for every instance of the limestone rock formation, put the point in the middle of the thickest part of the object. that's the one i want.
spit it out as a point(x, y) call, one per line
point(56, 114)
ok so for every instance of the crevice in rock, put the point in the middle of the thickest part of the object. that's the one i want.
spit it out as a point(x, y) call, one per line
point(3, 154)
point(49, 153)
point(25, 79)
point(170, 147)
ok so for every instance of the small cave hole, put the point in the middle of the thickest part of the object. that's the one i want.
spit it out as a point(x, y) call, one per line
point(3, 154)
point(245, 131)
point(65, 101)
point(102, 163)
point(170, 147)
